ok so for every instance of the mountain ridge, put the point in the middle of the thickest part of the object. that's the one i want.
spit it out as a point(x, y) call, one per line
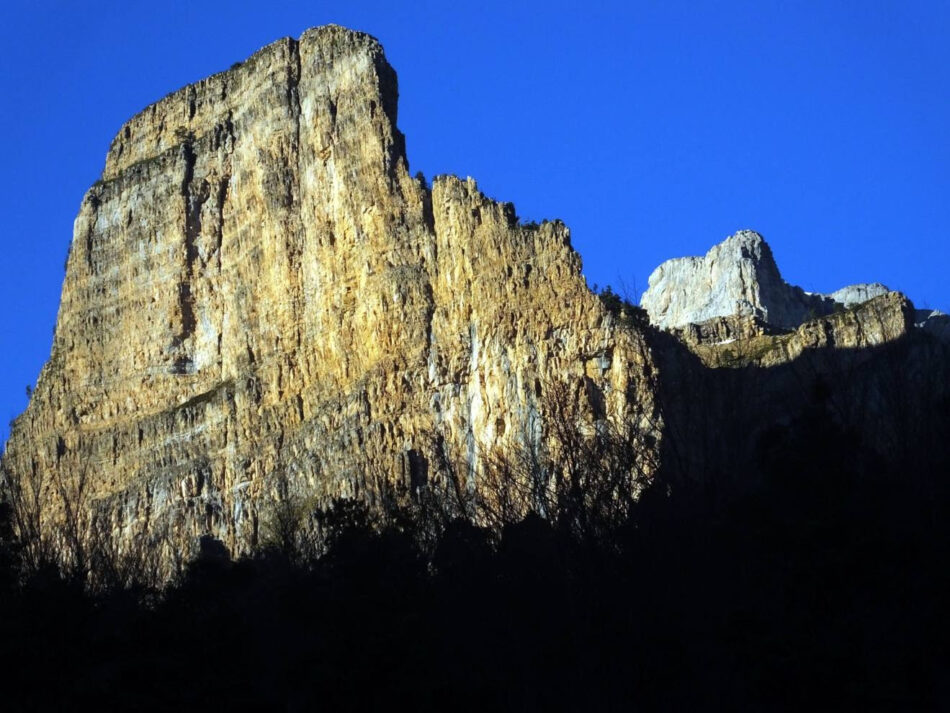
point(262, 305)
point(739, 277)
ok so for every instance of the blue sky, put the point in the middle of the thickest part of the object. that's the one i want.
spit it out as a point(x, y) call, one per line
point(652, 129)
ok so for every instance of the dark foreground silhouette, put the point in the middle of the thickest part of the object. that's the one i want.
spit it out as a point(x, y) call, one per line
point(810, 575)
point(822, 587)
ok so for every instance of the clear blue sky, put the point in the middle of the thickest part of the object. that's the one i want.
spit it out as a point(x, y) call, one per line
point(652, 129)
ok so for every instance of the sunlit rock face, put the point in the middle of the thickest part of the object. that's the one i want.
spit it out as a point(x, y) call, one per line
point(740, 342)
point(857, 294)
point(262, 304)
point(746, 359)
point(260, 298)
point(739, 278)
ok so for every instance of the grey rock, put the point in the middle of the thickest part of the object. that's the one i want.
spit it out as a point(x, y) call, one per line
point(934, 322)
point(857, 294)
point(739, 278)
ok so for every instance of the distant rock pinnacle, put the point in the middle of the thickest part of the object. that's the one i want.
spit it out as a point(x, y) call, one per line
point(739, 277)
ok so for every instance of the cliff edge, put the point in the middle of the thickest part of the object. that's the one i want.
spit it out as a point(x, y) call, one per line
point(739, 277)
point(261, 303)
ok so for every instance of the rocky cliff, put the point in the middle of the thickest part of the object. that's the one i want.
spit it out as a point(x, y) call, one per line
point(260, 302)
point(739, 277)
point(747, 359)
point(732, 306)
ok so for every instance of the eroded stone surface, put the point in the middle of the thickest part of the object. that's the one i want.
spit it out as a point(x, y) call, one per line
point(261, 303)
point(881, 320)
point(934, 322)
point(739, 278)
point(259, 293)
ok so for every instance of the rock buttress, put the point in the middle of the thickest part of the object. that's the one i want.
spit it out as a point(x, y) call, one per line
point(260, 302)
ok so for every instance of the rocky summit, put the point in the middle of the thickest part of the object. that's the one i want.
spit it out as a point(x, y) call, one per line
point(262, 303)
point(739, 277)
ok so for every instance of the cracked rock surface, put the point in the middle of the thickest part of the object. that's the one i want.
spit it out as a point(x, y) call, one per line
point(261, 302)
point(739, 278)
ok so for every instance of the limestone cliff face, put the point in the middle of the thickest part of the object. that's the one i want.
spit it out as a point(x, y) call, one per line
point(745, 359)
point(258, 293)
point(746, 342)
point(732, 308)
point(261, 303)
point(739, 278)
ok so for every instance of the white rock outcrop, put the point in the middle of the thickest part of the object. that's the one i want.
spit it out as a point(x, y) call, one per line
point(739, 277)
point(857, 294)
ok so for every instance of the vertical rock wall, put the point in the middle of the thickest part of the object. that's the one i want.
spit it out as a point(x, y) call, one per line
point(259, 293)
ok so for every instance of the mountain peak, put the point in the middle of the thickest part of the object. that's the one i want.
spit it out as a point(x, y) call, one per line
point(739, 277)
